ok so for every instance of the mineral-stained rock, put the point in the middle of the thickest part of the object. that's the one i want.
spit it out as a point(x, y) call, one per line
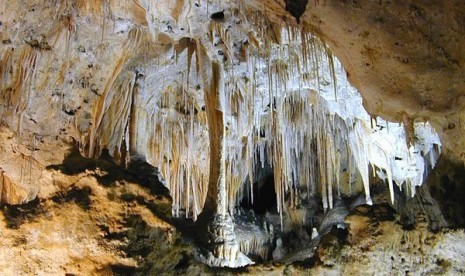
point(205, 94)
point(10, 192)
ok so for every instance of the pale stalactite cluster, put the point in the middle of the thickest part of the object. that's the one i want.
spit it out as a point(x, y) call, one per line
point(206, 91)
point(152, 94)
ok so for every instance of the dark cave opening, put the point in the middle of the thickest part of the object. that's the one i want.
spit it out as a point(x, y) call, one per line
point(264, 196)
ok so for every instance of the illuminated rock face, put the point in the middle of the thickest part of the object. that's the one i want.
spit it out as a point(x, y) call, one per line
point(406, 69)
point(208, 93)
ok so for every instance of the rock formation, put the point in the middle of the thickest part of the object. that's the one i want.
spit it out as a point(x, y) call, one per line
point(315, 107)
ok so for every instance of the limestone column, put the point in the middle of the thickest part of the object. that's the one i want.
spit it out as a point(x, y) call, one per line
point(221, 238)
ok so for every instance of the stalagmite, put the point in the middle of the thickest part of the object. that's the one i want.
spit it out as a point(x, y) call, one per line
point(261, 95)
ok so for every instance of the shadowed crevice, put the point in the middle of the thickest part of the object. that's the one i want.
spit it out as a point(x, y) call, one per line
point(108, 173)
point(296, 8)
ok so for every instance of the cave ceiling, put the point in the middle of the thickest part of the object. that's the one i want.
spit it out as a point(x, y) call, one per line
point(212, 93)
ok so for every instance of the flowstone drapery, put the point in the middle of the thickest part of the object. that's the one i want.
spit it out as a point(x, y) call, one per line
point(209, 100)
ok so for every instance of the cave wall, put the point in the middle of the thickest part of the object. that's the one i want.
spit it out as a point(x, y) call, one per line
point(405, 57)
point(89, 70)
point(132, 79)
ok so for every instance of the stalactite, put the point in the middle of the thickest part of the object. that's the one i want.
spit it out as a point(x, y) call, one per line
point(263, 97)
point(132, 43)
point(21, 88)
point(6, 66)
point(284, 100)
point(117, 115)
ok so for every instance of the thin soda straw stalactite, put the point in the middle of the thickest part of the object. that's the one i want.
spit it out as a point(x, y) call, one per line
point(284, 107)
point(277, 113)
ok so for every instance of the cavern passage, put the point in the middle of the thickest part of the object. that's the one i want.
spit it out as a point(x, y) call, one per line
point(205, 136)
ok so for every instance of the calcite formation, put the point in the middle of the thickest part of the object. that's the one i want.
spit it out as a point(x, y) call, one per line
point(207, 91)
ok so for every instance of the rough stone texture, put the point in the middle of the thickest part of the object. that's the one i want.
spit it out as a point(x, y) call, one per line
point(446, 185)
point(105, 221)
point(100, 93)
point(11, 193)
point(296, 8)
point(100, 220)
point(22, 173)
point(374, 244)
point(405, 57)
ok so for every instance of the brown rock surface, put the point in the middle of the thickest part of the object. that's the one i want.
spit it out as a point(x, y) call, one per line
point(74, 72)
point(405, 57)
point(11, 193)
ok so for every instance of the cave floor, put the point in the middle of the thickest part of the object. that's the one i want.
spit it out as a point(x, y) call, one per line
point(95, 224)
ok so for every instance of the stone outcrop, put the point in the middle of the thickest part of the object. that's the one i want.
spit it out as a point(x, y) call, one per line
point(10, 192)
point(207, 91)
point(405, 57)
